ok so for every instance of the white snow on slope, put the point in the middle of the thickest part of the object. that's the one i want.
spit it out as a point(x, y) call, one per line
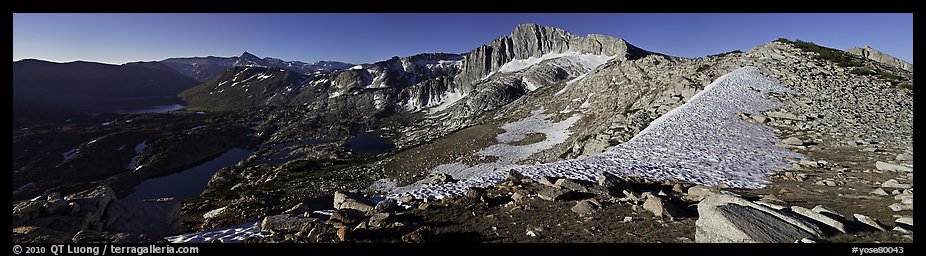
point(702, 141)
point(447, 100)
point(233, 234)
point(591, 61)
point(508, 156)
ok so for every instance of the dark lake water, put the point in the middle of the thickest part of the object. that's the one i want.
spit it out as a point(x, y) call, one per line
point(369, 143)
point(190, 182)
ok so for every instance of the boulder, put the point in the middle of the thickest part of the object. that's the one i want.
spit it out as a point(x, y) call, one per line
point(54, 202)
point(549, 181)
point(900, 207)
point(892, 183)
point(386, 205)
point(905, 222)
point(157, 217)
point(556, 194)
point(661, 207)
point(515, 176)
point(91, 205)
point(783, 115)
point(345, 217)
point(880, 192)
point(585, 207)
point(571, 184)
point(823, 219)
point(346, 200)
point(420, 235)
point(869, 221)
point(611, 181)
point(699, 192)
point(343, 234)
point(380, 220)
point(726, 219)
point(892, 167)
point(285, 223)
point(903, 157)
point(443, 178)
point(794, 141)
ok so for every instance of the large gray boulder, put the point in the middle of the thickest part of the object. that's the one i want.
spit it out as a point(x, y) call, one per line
point(155, 217)
point(730, 219)
point(91, 205)
point(347, 200)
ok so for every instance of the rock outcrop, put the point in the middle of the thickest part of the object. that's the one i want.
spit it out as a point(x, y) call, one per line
point(94, 215)
point(729, 219)
point(881, 57)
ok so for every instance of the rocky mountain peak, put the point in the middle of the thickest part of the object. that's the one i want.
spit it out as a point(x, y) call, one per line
point(875, 55)
point(533, 40)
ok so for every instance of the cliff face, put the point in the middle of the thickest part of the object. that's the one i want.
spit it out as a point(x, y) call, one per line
point(532, 40)
point(467, 84)
point(881, 57)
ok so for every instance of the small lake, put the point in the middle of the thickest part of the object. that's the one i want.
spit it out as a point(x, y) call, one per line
point(369, 143)
point(190, 182)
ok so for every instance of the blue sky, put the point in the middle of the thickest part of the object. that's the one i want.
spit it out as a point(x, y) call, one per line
point(364, 38)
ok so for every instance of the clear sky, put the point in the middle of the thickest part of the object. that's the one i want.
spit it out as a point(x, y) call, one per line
point(365, 38)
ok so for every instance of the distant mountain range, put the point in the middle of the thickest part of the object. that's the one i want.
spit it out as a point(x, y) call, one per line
point(60, 90)
point(93, 87)
point(204, 68)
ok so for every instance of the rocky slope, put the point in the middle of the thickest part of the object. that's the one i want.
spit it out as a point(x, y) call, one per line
point(875, 55)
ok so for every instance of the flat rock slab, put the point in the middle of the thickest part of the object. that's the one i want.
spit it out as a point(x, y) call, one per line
point(892, 167)
point(729, 219)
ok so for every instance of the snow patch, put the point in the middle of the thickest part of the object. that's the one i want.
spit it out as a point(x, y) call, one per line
point(590, 61)
point(213, 213)
point(508, 157)
point(447, 100)
point(233, 234)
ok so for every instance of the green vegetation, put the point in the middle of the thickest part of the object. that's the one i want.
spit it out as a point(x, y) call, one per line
point(883, 76)
point(841, 58)
point(847, 60)
point(725, 54)
point(703, 68)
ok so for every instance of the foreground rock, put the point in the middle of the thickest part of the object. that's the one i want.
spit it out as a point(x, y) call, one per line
point(94, 215)
point(157, 218)
point(729, 219)
point(345, 200)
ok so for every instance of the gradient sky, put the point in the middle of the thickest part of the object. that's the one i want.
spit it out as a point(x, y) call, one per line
point(365, 38)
